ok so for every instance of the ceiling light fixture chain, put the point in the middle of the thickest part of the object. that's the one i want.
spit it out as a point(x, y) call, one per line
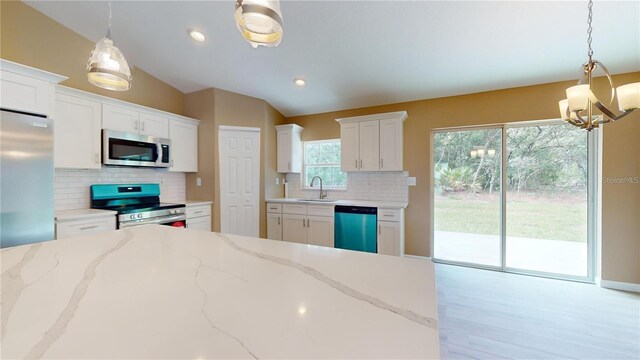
point(581, 99)
point(589, 30)
point(109, 28)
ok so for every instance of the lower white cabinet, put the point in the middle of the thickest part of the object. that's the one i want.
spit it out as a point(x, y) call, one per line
point(274, 226)
point(299, 223)
point(84, 226)
point(391, 232)
point(199, 216)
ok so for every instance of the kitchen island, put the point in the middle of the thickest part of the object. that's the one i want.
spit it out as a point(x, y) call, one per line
point(161, 292)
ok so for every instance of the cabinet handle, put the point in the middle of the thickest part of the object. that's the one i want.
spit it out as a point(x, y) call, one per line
point(289, 165)
point(356, 163)
point(142, 126)
point(198, 212)
point(278, 220)
point(135, 124)
point(97, 158)
point(171, 163)
point(381, 163)
point(360, 163)
point(89, 227)
point(379, 229)
point(303, 223)
point(308, 223)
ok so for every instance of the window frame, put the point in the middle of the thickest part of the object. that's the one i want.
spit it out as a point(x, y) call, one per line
point(303, 174)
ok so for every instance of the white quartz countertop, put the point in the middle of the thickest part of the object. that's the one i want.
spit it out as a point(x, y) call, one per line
point(197, 202)
point(371, 203)
point(161, 292)
point(80, 214)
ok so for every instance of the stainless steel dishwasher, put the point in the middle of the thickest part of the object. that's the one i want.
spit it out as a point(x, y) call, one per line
point(356, 228)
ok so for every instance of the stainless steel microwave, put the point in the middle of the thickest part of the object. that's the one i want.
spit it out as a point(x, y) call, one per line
point(126, 149)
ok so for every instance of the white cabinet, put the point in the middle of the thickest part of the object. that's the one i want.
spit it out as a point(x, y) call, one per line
point(154, 125)
point(184, 146)
point(391, 144)
point(274, 226)
point(391, 231)
point(294, 228)
point(120, 119)
point(24, 88)
point(83, 222)
point(372, 142)
point(199, 216)
point(301, 223)
point(320, 230)
point(76, 134)
point(133, 121)
point(289, 148)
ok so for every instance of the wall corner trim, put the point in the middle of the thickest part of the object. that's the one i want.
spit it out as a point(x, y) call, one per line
point(618, 285)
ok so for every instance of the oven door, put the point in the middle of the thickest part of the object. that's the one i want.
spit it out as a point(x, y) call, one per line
point(127, 149)
point(173, 220)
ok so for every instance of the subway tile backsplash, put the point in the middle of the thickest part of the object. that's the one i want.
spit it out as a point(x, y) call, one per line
point(71, 188)
point(380, 186)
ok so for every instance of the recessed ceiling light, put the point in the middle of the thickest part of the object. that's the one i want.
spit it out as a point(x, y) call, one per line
point(196, 35)
point(299, 82)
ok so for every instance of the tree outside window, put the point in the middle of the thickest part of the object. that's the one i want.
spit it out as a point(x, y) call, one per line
point(322, 158)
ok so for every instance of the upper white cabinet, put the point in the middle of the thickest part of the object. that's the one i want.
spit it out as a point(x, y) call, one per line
point(134, 121)
point(154, 125)
point(76, 134)
point(372, 142)
point(120, 119)
point(289, 154)
point(184, 145)
point(24, 88)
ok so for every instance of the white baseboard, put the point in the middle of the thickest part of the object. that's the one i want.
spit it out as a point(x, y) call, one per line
point(418, 257)
point(618, 285)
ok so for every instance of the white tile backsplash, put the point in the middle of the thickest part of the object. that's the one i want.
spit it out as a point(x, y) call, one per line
point(71, 187)
point(380, 186)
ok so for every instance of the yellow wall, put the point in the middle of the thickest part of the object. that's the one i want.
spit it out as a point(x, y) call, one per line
point(214, 107)
point(621, 153)
point(31, 38)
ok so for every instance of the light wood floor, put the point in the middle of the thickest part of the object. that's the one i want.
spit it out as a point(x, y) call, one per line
point(493, 315)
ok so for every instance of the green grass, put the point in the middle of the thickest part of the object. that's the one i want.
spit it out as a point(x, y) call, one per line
point(528, 215)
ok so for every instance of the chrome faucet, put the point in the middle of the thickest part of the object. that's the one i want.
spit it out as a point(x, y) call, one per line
point(323, 194)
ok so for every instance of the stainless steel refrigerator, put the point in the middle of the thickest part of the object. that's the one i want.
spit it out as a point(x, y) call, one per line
point(26, 178)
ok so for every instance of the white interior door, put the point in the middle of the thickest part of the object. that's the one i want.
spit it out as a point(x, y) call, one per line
point(239, 149)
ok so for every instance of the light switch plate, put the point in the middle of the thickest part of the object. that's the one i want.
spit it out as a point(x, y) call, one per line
point(411, 181)
point(198, 181)
point(277, 181)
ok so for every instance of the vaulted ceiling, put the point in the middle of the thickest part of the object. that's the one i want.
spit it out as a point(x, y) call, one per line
point(362, 53)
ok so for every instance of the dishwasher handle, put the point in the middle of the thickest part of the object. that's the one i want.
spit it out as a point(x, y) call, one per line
point(356, 210)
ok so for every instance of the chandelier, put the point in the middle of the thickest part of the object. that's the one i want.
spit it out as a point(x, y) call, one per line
point(259, 21)
point(107, 68)
point(580, 98)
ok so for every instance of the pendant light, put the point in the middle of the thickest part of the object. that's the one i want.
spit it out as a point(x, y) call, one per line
point(259, 22)
point(580, 97)
point(107, 68)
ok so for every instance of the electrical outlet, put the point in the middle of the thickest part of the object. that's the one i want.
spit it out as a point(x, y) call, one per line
point(277, 181)
point(411, 181)
point(198, 181)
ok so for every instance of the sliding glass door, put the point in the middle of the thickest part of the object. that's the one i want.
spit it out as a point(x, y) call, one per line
point(547, 192)
point(467, 196)
point(515, 198)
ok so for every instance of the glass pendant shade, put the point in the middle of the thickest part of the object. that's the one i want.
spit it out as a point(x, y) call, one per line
point(474, 154)
point(260, 22)
point(629, 96)
point(107, 68)
point(578, 97)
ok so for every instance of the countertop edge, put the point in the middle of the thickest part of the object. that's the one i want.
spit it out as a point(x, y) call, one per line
point(373, 203)
point(80, 214)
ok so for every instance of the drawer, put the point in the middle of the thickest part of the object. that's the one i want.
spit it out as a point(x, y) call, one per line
point(198, 211)
point(274, 208)
point(320, 210)
point(389, 215)
point(73, 228)
point(298, 209)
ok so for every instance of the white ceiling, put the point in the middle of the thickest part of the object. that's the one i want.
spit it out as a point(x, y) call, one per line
point(362, 53)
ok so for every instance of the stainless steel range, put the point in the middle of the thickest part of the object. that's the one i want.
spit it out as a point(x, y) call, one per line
point(137, 204)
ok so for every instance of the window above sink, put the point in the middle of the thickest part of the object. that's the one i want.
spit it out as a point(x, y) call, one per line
point(322, 158)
